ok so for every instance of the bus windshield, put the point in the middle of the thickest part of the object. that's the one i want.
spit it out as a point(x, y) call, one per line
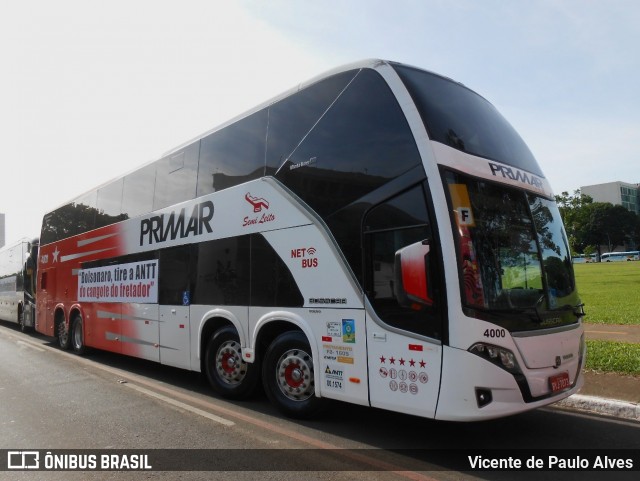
point(513, 256)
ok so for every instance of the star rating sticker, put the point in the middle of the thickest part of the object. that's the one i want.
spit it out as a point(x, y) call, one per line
point(401, 362)
point(422, 363)
point(383, 359)
point(412, 363)
point(392, 360)
point(55, 254)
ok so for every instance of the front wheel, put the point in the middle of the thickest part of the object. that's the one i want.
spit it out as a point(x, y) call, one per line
point(288, 376)
point(225, 369)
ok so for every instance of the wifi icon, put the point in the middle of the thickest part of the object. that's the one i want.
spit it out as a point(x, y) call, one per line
point(311, 251)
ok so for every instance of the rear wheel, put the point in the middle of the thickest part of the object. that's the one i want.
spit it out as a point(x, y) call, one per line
point(225, 369)
point(64, 339)
point(288, 376)
point(77, 335)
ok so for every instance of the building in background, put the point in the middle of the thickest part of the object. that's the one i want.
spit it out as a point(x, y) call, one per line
point(617, 193)
point(2, 239)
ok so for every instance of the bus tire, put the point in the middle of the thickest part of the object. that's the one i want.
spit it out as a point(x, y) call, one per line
point(77, 335)
point(288, 376)
point(64, 339)
point(225, 369)
point(21, 325)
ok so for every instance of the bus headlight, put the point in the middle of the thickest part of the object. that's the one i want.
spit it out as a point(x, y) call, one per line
point(499, 356)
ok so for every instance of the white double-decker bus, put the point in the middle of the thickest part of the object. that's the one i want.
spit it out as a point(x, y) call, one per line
point(378, 235)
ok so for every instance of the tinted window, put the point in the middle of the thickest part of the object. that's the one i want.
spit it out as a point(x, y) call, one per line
point(10, 263)
point(404, 210)
point(271, 281)
point(71, 219)
point(58, 224)
point(222, 272)
point(391, 226)
point(137, 194)
point(111, 261)
point(176, 177)
point(554, 247)
point(174, 277)
point(233, 155)
point(85, 212)
point(458, 117)
point(344, 137)
point(358, 144)
point(110, 204)
point(291, 119)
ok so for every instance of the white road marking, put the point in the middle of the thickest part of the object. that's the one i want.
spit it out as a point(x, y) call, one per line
point(181, 405)
point(29, 345)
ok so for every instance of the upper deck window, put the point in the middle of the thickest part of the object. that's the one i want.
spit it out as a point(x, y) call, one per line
point(460, 118)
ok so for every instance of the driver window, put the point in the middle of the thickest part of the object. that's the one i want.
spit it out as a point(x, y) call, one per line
point(389, 227)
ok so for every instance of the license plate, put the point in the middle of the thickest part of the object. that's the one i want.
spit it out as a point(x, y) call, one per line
point(559, 382)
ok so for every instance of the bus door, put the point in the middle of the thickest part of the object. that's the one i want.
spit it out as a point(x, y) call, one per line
point(46, 301)
point(404, 316)
point(174, 299)
point(174, 336)
point(404, 370)
point(404, 375)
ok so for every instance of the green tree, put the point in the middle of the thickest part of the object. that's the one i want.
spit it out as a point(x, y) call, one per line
point(574, 211)
point(597, 224)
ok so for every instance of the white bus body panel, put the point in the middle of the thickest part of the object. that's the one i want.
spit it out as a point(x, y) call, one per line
point(10, 299)
point(174, 336)
point(146, 320)
point(458, 398)
point(404, 372)
point(547, 355)
point(316, 267)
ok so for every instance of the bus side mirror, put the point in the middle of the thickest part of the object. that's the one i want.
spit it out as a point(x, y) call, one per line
point(411, 280)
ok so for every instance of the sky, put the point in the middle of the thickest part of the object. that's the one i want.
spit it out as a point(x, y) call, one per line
point(90, 90)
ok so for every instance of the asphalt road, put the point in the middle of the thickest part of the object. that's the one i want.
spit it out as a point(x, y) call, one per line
point(54, 400)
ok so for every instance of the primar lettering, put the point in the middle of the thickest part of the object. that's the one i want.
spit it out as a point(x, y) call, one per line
point(515, 174)
point(163, 227)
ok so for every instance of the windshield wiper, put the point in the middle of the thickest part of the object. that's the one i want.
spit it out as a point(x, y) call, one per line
point(531, 311)
point(535, 309)
point(577, 310)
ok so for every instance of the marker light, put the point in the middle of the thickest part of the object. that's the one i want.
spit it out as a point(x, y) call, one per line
point(499, 356)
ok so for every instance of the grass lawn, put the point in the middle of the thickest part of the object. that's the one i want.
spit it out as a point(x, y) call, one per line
point(610, 291)
point(613, 357)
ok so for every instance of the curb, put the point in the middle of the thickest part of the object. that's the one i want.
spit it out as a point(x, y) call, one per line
point(606, 407)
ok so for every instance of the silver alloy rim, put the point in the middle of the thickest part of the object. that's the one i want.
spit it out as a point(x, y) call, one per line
point(229, 364)
point(295, 375)
point(77, 336)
